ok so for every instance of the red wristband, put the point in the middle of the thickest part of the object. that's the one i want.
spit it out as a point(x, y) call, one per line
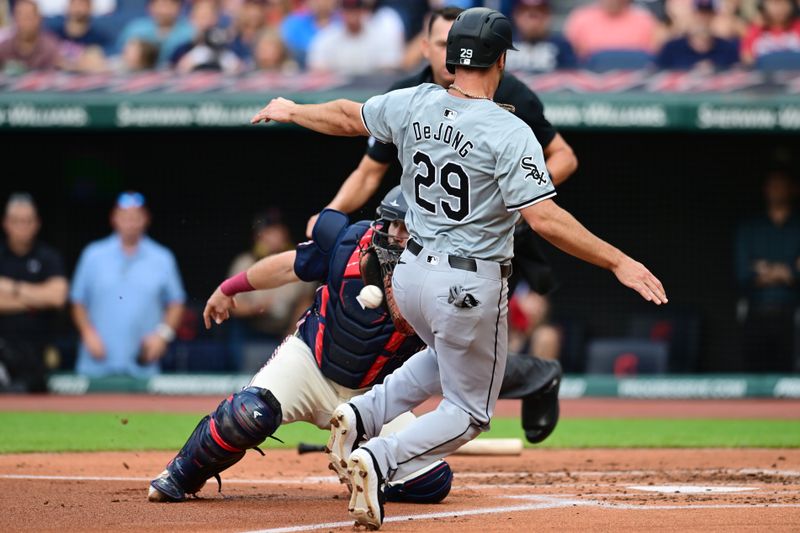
point(236, 284)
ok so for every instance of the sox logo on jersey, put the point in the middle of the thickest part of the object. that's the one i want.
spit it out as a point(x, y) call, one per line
point(532, 170)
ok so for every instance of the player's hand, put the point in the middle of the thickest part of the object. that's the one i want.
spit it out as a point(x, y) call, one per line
point(93, 343)
point(636, 276)
point(153, 348)
point(218, 308)
point(310, 225)
point(279, 110)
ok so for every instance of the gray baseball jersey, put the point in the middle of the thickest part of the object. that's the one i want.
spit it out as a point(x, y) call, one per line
point(468, 166)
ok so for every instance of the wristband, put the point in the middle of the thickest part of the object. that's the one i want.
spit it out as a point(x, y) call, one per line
point(236, 284)
point(166, 332)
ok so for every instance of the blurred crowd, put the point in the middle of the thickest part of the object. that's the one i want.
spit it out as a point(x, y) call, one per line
point(359, 37)
point(126, 299)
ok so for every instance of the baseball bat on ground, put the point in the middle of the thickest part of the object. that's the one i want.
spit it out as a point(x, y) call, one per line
point(474, 447)
point(305, 447)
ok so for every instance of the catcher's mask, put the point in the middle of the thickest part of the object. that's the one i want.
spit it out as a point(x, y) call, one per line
point(379, 260)
point(388, 248)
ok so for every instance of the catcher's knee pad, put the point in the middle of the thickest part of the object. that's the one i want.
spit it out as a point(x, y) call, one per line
point(242, 421)
point(432, 485)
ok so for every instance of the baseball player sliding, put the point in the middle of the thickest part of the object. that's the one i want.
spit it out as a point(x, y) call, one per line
point(347, 341)
point(470, 170)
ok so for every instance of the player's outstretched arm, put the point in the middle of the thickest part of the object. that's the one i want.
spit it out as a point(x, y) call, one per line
point(562, 230)
point(338, 117)
point(273, 271)
point(359, 186)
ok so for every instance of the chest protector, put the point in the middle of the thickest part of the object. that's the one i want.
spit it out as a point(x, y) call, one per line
point(353, 346)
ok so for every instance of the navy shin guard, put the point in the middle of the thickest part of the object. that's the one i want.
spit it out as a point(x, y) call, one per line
point(430, 486)
point(242, 421)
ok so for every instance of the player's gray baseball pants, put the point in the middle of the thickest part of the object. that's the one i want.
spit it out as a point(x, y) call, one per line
point(462, 316)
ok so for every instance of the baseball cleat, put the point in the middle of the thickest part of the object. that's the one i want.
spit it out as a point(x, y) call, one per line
point(366, 499)
point(163, 489)
point(346, 434)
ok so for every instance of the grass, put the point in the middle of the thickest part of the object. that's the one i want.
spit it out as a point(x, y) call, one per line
point(56, 432)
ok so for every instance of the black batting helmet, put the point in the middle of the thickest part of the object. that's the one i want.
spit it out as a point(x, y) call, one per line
point(479, 36)
point(393, 206)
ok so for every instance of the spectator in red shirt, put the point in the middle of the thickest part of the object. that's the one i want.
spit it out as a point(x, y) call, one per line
point(610, 25)
point(779, 32)
point(28, 47)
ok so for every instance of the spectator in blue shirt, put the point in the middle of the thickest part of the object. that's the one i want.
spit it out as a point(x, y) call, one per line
point(164, 26)
point(82, 45)
point(127, 297)
point(299, 28)
point(540, 49)
point(249, 23)
point(768, 270)
point(699, 48)
point(77, 25)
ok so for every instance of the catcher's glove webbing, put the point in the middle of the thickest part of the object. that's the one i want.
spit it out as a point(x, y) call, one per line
point(377, 264)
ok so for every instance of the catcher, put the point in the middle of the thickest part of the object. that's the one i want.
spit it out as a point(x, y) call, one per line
point(345, 343)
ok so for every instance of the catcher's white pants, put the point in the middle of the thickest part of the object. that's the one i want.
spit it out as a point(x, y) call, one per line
point(304, 392)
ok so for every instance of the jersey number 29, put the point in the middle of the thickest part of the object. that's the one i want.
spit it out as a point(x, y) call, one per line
point(459, 191)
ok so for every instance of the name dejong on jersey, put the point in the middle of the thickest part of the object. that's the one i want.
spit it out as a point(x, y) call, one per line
point(446, 134)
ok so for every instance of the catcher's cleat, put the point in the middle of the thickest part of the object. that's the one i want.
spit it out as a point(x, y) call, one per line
point(347, 433)
point(164, 489)
point(366, 499)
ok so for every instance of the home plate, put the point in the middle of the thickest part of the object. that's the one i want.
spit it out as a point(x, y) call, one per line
point(690, 489)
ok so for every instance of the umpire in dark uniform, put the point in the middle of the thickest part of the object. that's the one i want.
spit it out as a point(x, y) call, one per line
point(523, 374)
point(33, 285)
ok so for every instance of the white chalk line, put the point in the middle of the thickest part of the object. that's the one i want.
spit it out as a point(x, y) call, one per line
point(459, 475)
point(287, 481)
point(426, 516)
point(270, 481)
point(538, 503)
point(600, 473)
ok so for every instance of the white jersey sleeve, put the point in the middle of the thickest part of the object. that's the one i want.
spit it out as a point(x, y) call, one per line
point(521, 172)
point(385, 115)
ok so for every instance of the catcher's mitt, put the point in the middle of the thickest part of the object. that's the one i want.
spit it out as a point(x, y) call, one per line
point(377, 270)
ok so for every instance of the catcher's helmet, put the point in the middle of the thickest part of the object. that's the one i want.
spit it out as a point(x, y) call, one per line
point(393, 206)
point(477, 39)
